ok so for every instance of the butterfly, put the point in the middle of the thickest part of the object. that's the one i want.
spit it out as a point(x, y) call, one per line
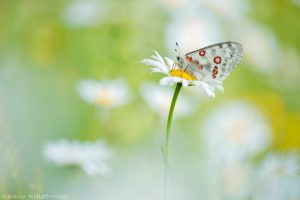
point(214, 62)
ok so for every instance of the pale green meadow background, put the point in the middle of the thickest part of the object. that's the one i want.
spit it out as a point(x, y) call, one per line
point(63, 136)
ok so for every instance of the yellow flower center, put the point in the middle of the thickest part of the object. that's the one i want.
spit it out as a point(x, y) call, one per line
point(103, 99)
point(182, 74)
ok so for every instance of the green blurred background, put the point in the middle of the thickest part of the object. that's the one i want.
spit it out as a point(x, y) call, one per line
point(47, 46)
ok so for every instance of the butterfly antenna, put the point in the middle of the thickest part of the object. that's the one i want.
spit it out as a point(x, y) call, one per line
point(177, 56)
point(177, 47)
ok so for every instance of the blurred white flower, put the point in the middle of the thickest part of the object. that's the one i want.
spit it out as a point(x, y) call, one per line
point(261, 47)
point(83, 13)
point(235, 179)
point(296, 2)
point(158, 65)
point(235, 131)
point(139, 176)
point(176, 4)
point(90, 156)
point(159, 99)
point(290, 58)
point(278, 178)
point(193, 31)
point(104, 93)
point(231, 10)
point(228, 181)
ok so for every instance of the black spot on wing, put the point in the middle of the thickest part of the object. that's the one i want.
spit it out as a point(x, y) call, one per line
point(213, 52)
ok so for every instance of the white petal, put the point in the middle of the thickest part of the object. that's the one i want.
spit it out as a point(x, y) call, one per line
point(167, 81)
point(216, 84)
point(159, 58)
point(156, 64)
point(86, 89)
point(185, 83)
point(155, 69)
point(209, 90)
point(90, 156)
point(220, 87)
point(151, 62)
point(177, 79)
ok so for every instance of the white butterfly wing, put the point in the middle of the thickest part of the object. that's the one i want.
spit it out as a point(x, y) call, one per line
point(214, 62)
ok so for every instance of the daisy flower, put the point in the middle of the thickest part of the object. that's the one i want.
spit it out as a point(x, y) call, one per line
point(159, 99)
point(193, 29)
point(277, 178)
point(261, 47)
point(90, 156)
point(235, 131)
point(175, 75)
point(175, 4)
point(224, 8)
point(228, 181)
point(83, 13)
point(296, 2)
point(104, 93)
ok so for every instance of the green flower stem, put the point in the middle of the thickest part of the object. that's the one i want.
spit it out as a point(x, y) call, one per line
point(165, 150)
point(170, 118)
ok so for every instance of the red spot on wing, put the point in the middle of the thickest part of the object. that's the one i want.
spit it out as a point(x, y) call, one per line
point(196, 62)
point(215, 72)
point(202, 53)
point(217, 59)
point(188, 58)
point(200, 67)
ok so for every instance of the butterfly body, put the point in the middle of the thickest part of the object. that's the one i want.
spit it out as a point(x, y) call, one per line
point(214, 62)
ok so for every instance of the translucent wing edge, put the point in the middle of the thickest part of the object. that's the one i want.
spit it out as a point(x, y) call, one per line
point(239, 47)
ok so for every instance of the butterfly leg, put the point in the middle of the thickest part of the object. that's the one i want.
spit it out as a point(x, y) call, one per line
point(186, 67)
point(173, 66)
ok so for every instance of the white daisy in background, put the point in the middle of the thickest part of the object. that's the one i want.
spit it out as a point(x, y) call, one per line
point(193, 31)
point(277, 178)
point(138, 177)
point(159, 65)
point(228, 181)
point(296, 2)
point(230, 10)
point(234, 132)
point(175, 4)
point(90, 156)
point(291, 58)
point(261, 47)
point(235, 179)
point(81, 13)
point(104, 93)
point(159, 99)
